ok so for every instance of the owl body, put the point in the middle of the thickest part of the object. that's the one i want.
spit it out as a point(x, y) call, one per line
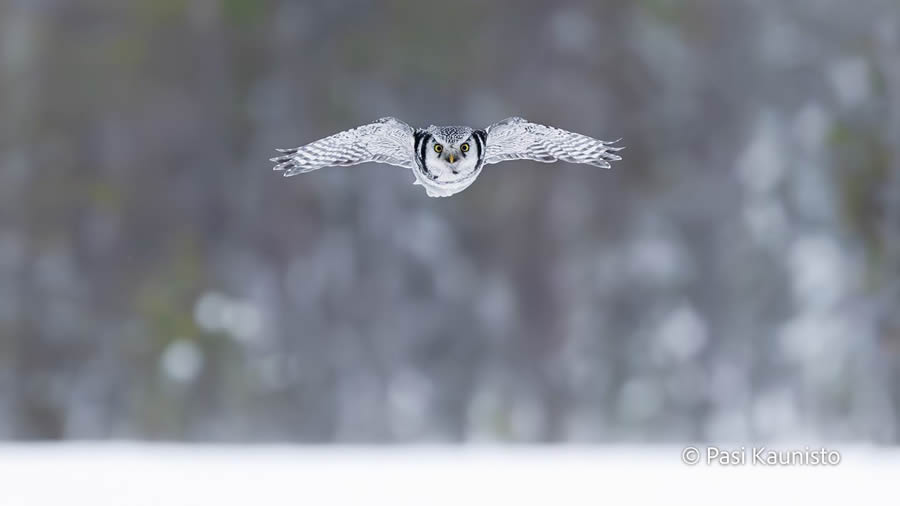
point(446, 160)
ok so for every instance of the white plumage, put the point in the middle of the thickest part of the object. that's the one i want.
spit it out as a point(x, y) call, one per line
point(446, 160)
point(516, 138)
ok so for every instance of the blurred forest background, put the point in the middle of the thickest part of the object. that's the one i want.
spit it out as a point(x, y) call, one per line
point(736, 277)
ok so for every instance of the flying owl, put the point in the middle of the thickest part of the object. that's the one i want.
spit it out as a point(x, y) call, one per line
point(446, 159)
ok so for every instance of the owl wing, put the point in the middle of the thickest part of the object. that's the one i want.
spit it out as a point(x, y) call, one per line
point(387, 140)
point(515, 138)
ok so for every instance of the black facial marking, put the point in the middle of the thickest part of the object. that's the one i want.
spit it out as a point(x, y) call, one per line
point(419, 135)
point(480, 139)
point(421, 143)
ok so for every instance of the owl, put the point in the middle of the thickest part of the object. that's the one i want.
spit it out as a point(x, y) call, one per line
point(446, 159)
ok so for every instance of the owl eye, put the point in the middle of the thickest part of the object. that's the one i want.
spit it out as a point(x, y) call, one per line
point(438, 148)
point(465, 147)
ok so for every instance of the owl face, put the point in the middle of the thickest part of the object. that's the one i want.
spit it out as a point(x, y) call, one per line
point(449, 158)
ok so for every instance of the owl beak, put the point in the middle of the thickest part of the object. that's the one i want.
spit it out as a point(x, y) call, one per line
point(451, 158)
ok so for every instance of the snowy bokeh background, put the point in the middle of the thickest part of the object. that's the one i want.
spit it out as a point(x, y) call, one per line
point(735, 278)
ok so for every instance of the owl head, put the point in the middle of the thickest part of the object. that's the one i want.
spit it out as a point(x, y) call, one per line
point(448, 158)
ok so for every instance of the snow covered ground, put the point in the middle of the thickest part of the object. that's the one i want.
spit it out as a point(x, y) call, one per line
point(124, 474)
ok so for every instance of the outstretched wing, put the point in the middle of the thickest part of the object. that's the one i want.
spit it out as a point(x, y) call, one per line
point(515, 138)
point(387, 140)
